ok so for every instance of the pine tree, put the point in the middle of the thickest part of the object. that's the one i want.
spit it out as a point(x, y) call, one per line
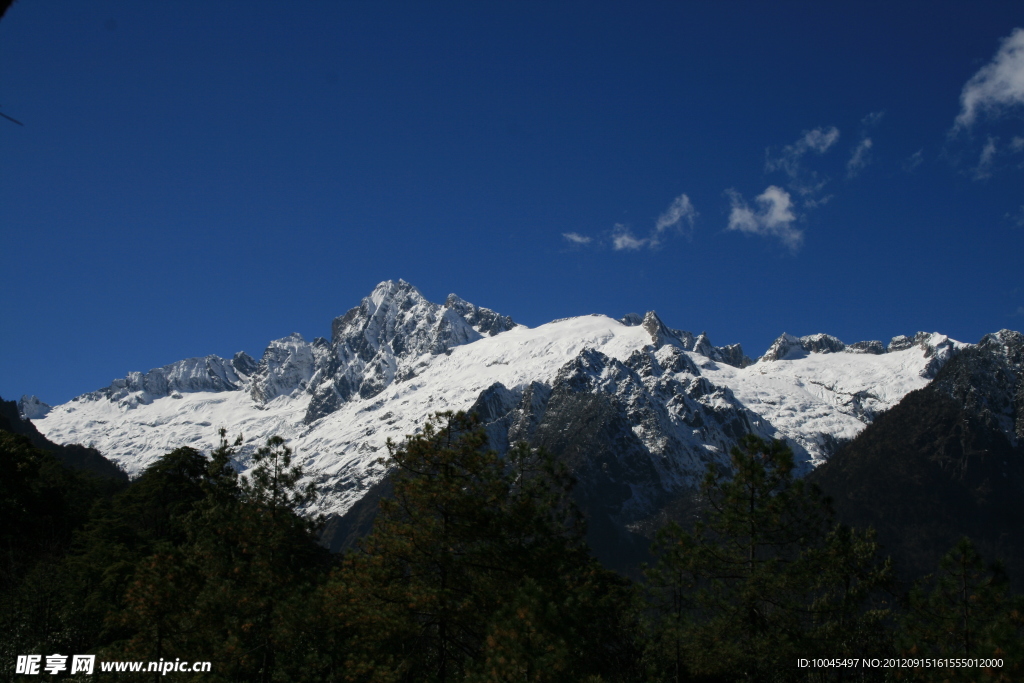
point(229, 592)
point(851, 597)
point(764, 578)
point(968, 613)
point(43, 506)
point(476, 569)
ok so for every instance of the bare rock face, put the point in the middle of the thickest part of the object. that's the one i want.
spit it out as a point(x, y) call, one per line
point(788, 347)
point(656, 421)
point(210, 373)
point(31, 408)
point(662, 335)
point(636, 434)
point(873, 347)
point(483, 320)
point(287, 366)
point(733, 355)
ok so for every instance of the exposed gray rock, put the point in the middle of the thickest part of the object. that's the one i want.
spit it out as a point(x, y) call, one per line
point(654, 413)
point(210, 373)
point(31, 408)
point(483, 320)
point(637, 434)
point(631, 319)
point(822, 343)
point(702, 345)
point(873, 347)
point(733, 355)
point(374, 344)
point(900, 342)
point(730, 355)
point(686, 337)
point(243, 364)
point(287, 366)
point(660, 335)
point(788, 347)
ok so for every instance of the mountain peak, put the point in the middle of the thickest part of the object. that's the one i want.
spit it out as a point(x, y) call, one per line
point(383, 339)
point(660, 334)
point(789, 347)
point(391, 290)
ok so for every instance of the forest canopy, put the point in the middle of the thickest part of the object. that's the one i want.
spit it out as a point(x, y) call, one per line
point(476, 569)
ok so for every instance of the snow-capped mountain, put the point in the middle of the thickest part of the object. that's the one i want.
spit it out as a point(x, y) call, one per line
point(638, 408)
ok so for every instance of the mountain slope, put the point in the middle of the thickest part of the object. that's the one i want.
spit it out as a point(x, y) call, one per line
point(948, 461)
point(73, 456)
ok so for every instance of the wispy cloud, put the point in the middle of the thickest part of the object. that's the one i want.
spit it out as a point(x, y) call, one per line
point(680, 211)
point(913, 161)
point(576, 238)
point(860, 158)
point(1018, 312)
point(861, 154)
point(679, 216)
point(872, 119)
point(998, 86)
point(789, 160)
point(988, 155)
point(624, 240)
point(774, 216)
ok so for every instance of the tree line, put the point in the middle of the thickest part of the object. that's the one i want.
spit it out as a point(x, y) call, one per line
point(476, 569)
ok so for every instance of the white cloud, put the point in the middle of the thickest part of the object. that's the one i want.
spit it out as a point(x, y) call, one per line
point(988, 154)
point(679, 211)
point(819, 141)
point(998, 86)
point(860, 158)
point(576, 238)
point(872, 119)
point(624, 240)
point(1016, 144)
point(817, 201)
point(913, 161)
point(680, 215)
point(774, 216)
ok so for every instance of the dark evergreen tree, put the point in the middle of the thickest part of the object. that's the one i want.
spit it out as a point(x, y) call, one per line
point(230, 590)
point(476, 569)
point(147, 518)
point(42, 505)
point(966, 611)
point(764, 578)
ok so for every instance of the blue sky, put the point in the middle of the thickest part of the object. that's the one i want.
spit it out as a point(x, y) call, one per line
point(196, 178)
